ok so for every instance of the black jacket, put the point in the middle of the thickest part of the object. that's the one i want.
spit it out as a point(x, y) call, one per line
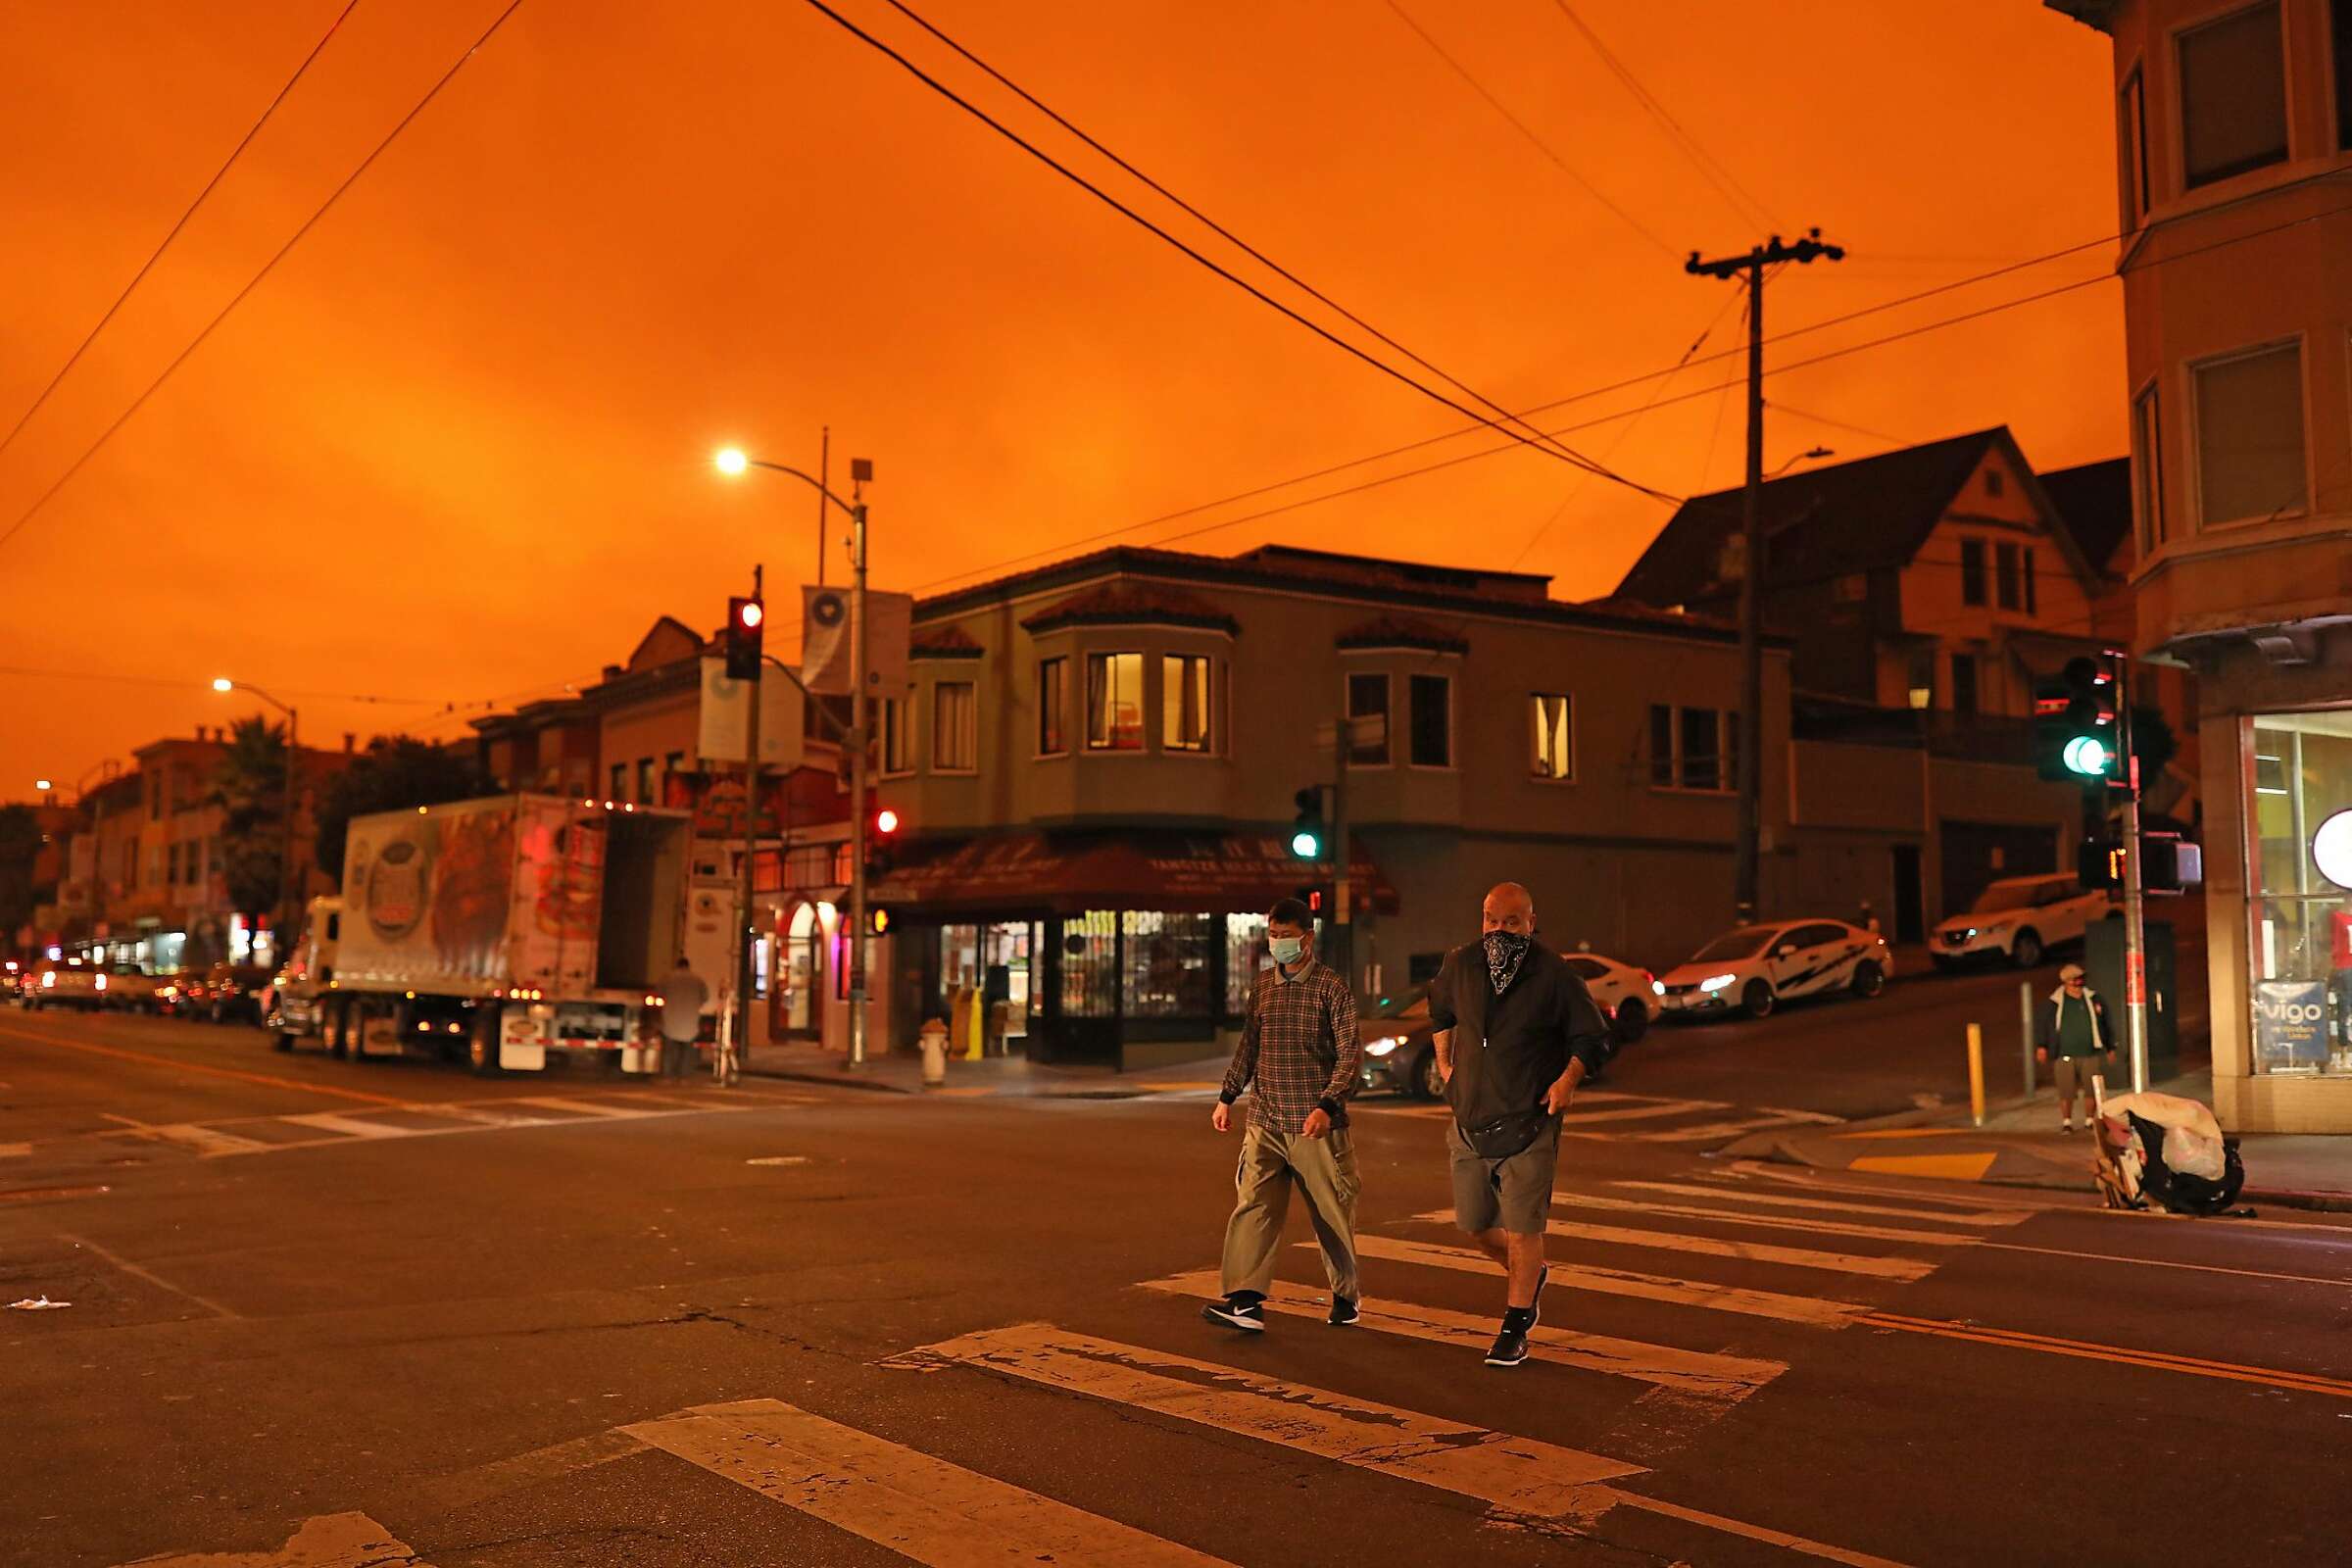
point(1508, 1050)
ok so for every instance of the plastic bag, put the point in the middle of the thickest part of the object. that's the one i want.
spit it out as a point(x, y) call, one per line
point(2192, 1153)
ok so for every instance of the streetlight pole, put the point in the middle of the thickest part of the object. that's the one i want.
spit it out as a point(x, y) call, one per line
point(861, 471)
point(283, 916)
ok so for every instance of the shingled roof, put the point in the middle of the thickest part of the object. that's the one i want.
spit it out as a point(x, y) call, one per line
point(1854, 516)
point(1126, 602)
point(2095, 502)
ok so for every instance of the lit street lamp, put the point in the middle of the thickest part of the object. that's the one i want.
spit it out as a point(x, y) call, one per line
point(283, 917)
point(732, 461)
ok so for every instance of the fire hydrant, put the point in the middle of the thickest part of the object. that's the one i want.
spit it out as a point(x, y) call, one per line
point(932, 1042)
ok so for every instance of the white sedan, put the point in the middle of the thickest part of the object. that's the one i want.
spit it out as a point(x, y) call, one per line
point(2020, 919)
point(1624, 994)
point(1753, 969)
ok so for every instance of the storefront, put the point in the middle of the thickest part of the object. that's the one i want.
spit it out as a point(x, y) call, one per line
point(2290, 1069)
point(1131, 949)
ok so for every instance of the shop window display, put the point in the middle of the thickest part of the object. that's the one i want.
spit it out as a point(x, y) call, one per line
point(2300, 893)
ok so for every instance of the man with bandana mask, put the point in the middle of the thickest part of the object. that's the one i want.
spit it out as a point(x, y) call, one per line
point(1516, 1032)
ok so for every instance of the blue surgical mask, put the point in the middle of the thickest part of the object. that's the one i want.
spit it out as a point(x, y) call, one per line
point(1285, 949)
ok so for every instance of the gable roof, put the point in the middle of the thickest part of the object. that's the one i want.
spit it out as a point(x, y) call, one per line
point(2095, 502)
point(1856, 516)
point(667, 640)
point(1125, 602)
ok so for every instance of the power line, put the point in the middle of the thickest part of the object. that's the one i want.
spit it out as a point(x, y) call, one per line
point(1734, 194)
point(1521, 127)
point(255, 281)
point(157, 255)
point(39, 673)
point(1563, 453)
point(1839, 424)
point(1202, 217)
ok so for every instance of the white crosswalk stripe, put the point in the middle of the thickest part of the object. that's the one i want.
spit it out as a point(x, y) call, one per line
point(351, 1126)
point(1741, 1194)
point(1707, 1132)
point(1885, 1268)
point(1603, 1116)
point(1790, 1222)
point(1816, 1311)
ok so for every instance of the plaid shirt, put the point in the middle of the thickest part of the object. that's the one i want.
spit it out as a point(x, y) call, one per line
point(1299, 1049)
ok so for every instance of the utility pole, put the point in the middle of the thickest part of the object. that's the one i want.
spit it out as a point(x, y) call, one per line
point(746, 923)
point(289, 890)
point(1342, 931)
point(2136, 950)
point(861, 469)
point(1750, 267)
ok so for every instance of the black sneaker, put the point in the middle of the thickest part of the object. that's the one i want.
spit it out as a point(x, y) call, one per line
point(1236, 1312)
point(1510, 1346)
point(1344, 1313)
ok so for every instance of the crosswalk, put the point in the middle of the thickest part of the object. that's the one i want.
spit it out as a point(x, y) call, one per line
point(240, 1136)
point(1610, 1115)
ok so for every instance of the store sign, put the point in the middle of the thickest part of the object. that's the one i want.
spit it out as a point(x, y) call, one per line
point(2290, 1025)
point(2331, 848)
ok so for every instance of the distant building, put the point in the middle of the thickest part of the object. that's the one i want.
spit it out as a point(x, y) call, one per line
point(2234, 142)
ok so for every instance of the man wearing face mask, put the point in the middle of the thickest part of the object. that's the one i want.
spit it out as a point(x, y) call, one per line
point(1300, 1049)
point(1515, 1033)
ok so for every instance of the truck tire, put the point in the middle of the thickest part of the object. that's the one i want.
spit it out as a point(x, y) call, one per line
point(334, 1028)
point(481, 1043)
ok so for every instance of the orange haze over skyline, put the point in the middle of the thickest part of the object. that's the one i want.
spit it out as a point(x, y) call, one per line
point(456, 446)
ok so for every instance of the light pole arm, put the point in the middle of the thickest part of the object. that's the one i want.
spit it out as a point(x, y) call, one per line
point(778, 467)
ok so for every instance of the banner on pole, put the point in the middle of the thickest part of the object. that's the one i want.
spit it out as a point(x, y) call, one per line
point(825, 639)
point(725, 718)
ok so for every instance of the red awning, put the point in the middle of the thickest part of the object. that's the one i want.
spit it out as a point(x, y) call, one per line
point(1039, 872)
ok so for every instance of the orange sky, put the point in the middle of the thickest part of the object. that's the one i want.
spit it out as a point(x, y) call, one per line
point(456, 446)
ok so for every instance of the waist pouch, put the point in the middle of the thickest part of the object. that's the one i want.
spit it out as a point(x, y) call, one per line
point(1505, 1135)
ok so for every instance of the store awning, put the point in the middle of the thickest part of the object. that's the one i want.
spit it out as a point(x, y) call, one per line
point(1068, 873)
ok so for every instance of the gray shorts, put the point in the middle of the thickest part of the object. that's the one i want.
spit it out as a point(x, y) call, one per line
point(1513, 1195)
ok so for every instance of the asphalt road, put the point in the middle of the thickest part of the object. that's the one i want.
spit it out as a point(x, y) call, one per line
point(339, 1313)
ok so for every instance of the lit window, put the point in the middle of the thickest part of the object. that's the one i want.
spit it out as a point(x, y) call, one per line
point(1555, 720)
point(2233, 96)
point(954, 713)
point(2249, 415)
point(1184, 682)
point(1114, 702)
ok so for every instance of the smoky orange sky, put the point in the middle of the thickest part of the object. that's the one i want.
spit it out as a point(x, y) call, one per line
point(456, 448)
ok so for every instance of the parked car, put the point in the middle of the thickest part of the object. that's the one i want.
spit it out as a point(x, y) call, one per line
point(2020, 919)
point(70, 984)
point(228, 992)
point(132, 990)
point(1401, 1049)
point(1753, 969)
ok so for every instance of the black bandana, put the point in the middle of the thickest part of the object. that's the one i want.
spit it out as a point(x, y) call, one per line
point(1505, 952)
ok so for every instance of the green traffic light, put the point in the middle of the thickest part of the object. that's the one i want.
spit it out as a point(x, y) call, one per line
point(1306, 846)
point(2088, 756)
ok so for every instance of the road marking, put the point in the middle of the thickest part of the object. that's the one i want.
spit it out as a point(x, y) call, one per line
point(1664, 1107)
point(1713, 1129)
point(1184, 1087)
point(208, 1142)
point(1736, 1526)
point(469, 1488)
point(2158, 1360)
point(1817, 1311)
point(14, 1150)
point(923, 1508)
point(586, 1107)
point(42, 1195)
point(333, 1541)
point(1940, 1167)
point(1825, 1180)
point(1740, 1195)
point(1885, 1268)
point(152, 1278)
point(1518, 1474)
point(352, 1126)
point(1787, 1222)
point(471, 1112)
point(1725, 1378)
point(1820, 1118)
point(180, 1065)
point(2339, 1282)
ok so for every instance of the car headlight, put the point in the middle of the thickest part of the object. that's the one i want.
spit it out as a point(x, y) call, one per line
point(1716, 982)
point(1659, 986)
point(1380, 1048)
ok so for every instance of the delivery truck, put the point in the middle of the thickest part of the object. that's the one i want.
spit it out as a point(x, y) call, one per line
point(500, 931)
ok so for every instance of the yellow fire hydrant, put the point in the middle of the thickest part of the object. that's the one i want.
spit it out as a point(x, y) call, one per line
point(932, 1040)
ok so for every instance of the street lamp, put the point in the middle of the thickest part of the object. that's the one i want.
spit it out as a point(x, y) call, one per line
point(43, 785)
point(1812, 456)
point(285, 880)
point(733, 462)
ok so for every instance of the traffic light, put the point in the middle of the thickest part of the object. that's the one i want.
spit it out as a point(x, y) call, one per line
point(1312, 898)
point(2168, 863)
point(2074, 732)
point(1307, 833)
point(881, 841)
point(745, 619)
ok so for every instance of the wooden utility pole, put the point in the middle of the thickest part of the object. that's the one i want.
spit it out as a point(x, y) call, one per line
point(1750, 269)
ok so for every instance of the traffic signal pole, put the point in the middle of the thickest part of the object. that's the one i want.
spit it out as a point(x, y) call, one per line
point(746, 923)
point(1342, 933)
point(860, 737)
point(2136, 962)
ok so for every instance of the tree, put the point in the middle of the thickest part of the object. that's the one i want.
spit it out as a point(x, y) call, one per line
point(2152, 741)
point(396, 773)
point(250, 788)
point(20, 845)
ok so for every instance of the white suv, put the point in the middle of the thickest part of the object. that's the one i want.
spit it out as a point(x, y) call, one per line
point(2020, 919)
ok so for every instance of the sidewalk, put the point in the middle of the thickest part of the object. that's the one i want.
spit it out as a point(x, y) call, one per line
point(902, 1073)
point(2020, 1146)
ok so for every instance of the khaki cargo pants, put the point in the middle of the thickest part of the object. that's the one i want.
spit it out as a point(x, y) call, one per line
point(1273, 1162)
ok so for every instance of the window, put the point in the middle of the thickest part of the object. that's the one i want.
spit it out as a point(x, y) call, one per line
point(2233, 96)
point(2339, 24)
point(2005, 575)
point(1851, 589)
point(1114, 702)
point(955, 729)
point(2132, 142)
point(2295, 905)
point(2249, 413)
point(1433, 721)
point(1554, 717)
point(645, 781)
point(620, 782)
point(1972, 572)
point(898, 746)
point(1168, 964)
point(172, 864)
point(1994, 481)
point(1244, 957)
point(2147, 472)
point(671, 766)
point(1053, 677)
point(2031, 607)
point(1964, 683)
point(1368, 715)
point(1090, 973)
point(1691, 747)
point(1921, 683)
point(1184, 699)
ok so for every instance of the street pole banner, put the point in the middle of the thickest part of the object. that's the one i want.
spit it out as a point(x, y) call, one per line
point(725, 719)
point(890, 623)
point(824, 642)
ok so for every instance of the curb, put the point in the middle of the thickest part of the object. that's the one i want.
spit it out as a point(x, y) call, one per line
point(837, 1080)
point(2326, 1203)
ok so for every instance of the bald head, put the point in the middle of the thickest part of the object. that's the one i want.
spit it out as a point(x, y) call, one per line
point(1510, 907)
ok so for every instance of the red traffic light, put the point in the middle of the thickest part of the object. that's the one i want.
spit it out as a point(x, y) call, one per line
point(748, 613)
point(886, 820)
